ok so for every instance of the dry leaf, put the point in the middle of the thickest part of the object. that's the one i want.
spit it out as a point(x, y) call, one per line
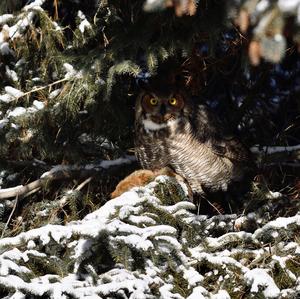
point(254, 52)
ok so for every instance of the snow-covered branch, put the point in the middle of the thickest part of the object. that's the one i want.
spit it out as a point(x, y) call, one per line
point(59, 172)
point(274, 149)
point(127, 247)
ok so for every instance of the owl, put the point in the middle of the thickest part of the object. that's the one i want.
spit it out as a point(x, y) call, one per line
point(173, 130)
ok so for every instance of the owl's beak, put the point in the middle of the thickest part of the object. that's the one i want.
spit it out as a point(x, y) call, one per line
point(163, 110)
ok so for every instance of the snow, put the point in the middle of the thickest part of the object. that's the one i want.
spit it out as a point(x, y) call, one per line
point(18, 111)
point(53, 94)
point(34, 5)
point(259, 279)
point(102, 165)
point(3, 123)
point(280, 222)
point(85, 24)
point(127, 222)
point(5, 49)
point(222, 294)
point(288, 5)
point(6, 98)
point(273, 195)
point(192, 276)
point(38, 105)
point(5, 18)
point(262, 5)
point(135, 241)
point(274, 149)
point(31, 244)
point(71, 73)
point(15, 93)
point(198, 293)
point(18, 295)
point(107, 164)
point(11, 74)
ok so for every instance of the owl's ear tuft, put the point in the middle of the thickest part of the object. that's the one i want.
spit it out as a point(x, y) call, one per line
point(143, 84)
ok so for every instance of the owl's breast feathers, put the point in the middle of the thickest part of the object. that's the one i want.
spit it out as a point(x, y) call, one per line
point(196, 150)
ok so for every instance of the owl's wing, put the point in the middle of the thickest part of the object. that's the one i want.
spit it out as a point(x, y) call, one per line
point(230, 148)
point(210, 131)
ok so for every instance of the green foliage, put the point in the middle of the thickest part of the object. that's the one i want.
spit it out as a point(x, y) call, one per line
point(293, 265)
point(181, 285)
point(170, 192)
point(281, 278)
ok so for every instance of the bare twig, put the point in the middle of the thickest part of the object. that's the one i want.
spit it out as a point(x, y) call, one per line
point(43, 87)
point(10, 216)
point(79, 187)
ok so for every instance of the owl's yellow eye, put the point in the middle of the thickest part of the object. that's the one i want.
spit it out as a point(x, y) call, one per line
point(173, 101)
point(153, 101)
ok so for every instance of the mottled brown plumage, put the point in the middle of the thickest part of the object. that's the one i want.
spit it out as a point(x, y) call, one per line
point(172, 130)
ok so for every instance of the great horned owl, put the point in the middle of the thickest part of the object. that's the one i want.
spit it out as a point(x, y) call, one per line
point(173, 130)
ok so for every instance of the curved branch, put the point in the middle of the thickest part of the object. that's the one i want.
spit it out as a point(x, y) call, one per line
point(106, 167)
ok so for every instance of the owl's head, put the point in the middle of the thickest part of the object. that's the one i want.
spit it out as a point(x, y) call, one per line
point(163, 99)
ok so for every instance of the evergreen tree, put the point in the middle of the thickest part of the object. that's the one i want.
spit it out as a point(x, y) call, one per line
point(69, 75)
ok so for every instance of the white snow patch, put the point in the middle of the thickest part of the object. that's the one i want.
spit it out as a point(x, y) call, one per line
point(192, 276)
point(13, 92)
point(18, 295)
point(38, 104)
point(54, 93)
point(5, 18)
point(222, 294)
point(273, 195)
point(11, 74)
point(31, 244)
point(20, 62)
point(262, 5)
point(119, 161)
point(288, 5)
point(5, 49)
point(15, 126)
point(198, 293)
point(6, 98)
point(259, 279)
point(85, 24)
point(18, 111)
point(135, 241)
point(71, 72)
point(280, 222)
point(34, 5)
point(166, 292)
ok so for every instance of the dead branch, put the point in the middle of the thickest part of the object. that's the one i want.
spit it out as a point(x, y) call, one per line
point(60, 172)
point(276, 154)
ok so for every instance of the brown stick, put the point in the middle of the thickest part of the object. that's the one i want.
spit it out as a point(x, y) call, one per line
point(113, 167)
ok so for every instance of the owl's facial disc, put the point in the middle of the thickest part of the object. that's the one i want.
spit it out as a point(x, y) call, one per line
point(162, 109)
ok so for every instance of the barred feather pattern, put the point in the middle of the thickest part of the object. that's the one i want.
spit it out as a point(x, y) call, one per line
point(195, 148)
